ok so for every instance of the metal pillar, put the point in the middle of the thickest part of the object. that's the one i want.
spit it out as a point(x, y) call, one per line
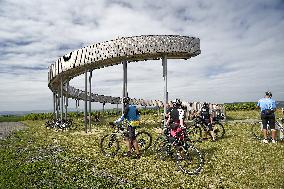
point(164, 63)
point(85, 112)
point(61, 96)
point(90, 98)
point(57, 105)
point(124, 90)
point(54, 105)
point(66, 100)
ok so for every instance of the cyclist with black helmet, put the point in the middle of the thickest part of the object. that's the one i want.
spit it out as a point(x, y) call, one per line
point(267, 107)
point(207, 119)
point(176, 118)
point(132, 115)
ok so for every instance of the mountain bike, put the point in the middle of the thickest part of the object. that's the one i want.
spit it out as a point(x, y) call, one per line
point(59, 124)
point(198, 126)
point(257, 131)
point(188, 158)
point(110, 143)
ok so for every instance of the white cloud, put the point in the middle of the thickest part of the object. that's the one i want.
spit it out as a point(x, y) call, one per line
point(242, 47)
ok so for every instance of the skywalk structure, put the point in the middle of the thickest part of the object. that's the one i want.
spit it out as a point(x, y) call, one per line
point(118, 51)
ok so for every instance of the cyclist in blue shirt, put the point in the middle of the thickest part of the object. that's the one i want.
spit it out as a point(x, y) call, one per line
point(267, 107)
point(132, 115)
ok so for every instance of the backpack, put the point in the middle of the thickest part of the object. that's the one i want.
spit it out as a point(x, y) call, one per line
point(205, 112)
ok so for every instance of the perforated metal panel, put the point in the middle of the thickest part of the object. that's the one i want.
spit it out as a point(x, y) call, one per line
point(109, 53)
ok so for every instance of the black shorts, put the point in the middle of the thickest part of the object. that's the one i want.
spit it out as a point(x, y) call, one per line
point(268, 120)
point(130, 133)
point(208, 124)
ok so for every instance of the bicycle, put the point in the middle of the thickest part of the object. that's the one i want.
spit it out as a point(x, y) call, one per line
point(188, 158)
point(59, 124)
point(195, 130)
point(110, 143)
point(257, 129)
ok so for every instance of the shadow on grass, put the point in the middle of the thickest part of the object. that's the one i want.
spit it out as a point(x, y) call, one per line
point(207, 155)
point(225, 137)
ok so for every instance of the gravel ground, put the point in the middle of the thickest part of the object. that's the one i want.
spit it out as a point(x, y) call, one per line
point(8, 127)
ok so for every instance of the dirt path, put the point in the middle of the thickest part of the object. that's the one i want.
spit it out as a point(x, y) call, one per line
point(8, 127)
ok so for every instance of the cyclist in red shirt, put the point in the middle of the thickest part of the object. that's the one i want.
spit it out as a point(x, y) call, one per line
point(176, 119)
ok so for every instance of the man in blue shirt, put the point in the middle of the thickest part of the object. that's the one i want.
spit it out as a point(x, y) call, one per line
point(132, 115)
point(267, 107)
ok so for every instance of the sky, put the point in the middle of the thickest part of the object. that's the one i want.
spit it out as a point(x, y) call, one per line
point(241, 41)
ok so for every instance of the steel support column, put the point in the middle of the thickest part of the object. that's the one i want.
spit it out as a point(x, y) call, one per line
point(90, 99)
point(164, 63)
point(66, 100)
point(124, 90)
point(57, 101)
point(61, 96)
point(54, 105)
point(86, 91)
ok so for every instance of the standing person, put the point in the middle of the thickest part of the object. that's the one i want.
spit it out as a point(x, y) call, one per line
point(176, 118)
point(132, 115)
point(190, 111)
point(267, 107)
point(169, 107)
point(207, 118)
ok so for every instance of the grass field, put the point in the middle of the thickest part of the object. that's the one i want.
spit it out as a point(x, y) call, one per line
point(40, 158)
point(10, 118)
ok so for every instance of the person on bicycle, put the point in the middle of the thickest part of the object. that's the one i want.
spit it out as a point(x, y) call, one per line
point(132, 115)
point(267, 108)
point(176, 119)
point(207, 119)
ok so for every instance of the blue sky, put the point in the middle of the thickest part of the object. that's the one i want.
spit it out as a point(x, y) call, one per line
point(242, 45)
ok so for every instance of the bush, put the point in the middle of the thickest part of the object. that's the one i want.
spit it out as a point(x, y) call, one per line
point(241, 106)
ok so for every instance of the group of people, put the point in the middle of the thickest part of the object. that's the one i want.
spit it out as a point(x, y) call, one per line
point(175, 116)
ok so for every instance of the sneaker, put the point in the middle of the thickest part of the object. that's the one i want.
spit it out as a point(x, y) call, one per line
point(273, 141)
point(179, 157)
point(137, 156)
point(265, 141)
point(128, 154)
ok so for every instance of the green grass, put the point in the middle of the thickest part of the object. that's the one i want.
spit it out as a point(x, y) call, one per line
point(252, 114)
point(42, 158)
point(10, 118)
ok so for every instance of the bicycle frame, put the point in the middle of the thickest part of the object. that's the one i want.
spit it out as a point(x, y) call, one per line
point(119, 132)
point(278, 127)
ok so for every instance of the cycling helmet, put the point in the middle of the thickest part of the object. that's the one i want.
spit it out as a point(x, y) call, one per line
point(177, 103)
point(126, 100)
point(205, 104)
point(268, 93)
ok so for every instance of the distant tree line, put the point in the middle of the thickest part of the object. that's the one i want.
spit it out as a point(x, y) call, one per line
point(241, 106)
point(72, 115)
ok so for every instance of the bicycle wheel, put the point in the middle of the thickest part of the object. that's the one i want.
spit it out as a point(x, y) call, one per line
point(189, 159)
point(144, 140)
point(218, 130)
point(194, 133)
point(280, 128)
point(162, 148)
point(48, 124)
point(256, 130)
point(109, 145)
